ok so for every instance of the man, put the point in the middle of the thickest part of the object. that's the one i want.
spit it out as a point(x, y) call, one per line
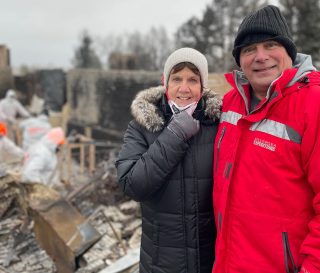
point(33, 129)
point(9, 152)
point(11, 107)
point(40, 164)
point(267, 155)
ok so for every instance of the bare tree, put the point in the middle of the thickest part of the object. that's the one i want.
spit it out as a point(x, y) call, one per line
point(214, 33)
point(105, 46)
point(159, 46)
point(85, 56)
point(304, 21)
point(136, 50)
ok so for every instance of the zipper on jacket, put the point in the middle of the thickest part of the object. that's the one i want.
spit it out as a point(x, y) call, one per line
point(183, 218)
point(218, 146)
point(196, 210)
point(155, 239)
point(227, 170)
point(288, 254)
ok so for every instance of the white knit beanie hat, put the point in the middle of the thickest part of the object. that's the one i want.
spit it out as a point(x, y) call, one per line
point(189, 55)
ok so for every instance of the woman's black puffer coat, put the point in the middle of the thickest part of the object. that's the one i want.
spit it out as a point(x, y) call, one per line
point(172, 179)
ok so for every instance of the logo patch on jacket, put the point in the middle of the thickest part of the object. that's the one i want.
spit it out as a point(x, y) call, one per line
point(264, 144)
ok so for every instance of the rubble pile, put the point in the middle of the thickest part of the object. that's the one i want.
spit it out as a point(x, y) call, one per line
point(97, 198)
point(19, 251)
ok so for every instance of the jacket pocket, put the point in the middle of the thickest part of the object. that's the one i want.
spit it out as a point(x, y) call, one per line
point(288, 258)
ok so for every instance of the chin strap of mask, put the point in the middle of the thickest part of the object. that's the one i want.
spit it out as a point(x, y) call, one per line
point(188, 108)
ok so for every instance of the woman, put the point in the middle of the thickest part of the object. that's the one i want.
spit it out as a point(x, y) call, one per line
point(166, 164)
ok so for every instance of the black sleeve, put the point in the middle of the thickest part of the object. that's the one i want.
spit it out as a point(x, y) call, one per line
point(143, 169)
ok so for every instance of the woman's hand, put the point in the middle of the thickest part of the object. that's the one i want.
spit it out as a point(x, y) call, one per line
point(183, 125)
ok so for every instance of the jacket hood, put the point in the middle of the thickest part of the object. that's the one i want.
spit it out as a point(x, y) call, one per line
point(304, 64)
point(11, 94)
point(146, 109)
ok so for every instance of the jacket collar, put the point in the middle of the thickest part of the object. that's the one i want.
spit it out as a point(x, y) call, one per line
point(150, 108)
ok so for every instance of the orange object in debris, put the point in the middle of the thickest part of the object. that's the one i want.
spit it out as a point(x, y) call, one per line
point(56, 135)
point(3, 129)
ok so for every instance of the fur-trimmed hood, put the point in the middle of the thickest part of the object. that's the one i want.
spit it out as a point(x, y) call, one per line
point(146, 111)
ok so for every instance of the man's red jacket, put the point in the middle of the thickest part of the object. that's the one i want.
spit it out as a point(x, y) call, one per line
point(267, 177)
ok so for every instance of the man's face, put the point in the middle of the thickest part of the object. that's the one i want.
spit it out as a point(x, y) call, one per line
point(262, 63)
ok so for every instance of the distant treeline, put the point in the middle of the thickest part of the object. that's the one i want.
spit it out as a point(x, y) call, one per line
point(212, 34)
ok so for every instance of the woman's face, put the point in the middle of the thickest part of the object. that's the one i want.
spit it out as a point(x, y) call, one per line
point(184, 87)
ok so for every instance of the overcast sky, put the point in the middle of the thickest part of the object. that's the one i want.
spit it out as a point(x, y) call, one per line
point(45, 33)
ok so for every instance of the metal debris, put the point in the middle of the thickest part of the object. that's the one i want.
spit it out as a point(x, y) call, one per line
point(63, 232)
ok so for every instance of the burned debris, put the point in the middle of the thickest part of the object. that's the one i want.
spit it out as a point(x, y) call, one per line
point(43, 230)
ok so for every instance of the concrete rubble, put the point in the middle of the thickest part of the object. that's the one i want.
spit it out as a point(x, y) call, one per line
point(107, 225)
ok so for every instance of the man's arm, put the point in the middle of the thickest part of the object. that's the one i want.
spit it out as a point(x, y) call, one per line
point(310, 148)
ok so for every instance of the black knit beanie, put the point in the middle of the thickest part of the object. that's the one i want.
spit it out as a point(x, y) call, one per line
point(264, 24)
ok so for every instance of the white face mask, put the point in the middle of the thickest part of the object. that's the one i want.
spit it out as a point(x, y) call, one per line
point(188, 108)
